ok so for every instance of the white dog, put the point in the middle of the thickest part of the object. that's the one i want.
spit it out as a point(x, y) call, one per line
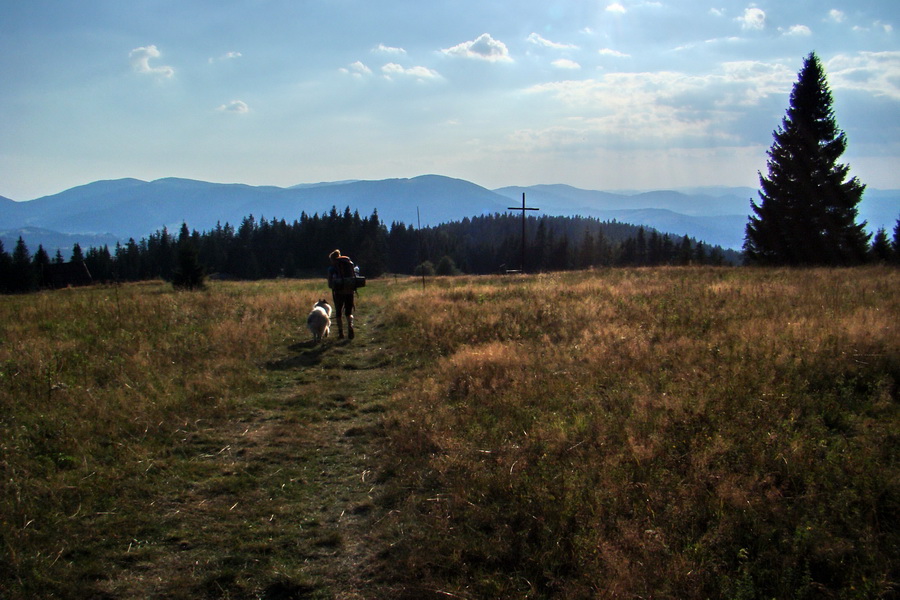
point(319, 320)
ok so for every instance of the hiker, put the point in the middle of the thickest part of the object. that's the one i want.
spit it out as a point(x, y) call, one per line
point(341, 280)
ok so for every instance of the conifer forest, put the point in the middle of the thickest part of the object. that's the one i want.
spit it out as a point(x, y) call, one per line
point(265, 249)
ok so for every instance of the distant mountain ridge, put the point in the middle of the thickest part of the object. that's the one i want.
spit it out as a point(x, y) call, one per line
point(95, 213)
point(135, 208)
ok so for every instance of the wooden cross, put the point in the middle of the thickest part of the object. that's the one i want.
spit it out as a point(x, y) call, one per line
point(523, 209)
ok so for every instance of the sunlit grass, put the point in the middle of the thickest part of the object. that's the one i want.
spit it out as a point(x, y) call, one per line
point(653, 432)
point(98, 387)
point(665, 432)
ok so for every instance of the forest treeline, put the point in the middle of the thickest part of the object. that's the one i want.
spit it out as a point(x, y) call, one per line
point(262, 249)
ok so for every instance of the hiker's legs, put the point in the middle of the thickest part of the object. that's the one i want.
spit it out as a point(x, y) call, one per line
point(343, 305)
point(339, 300)
point(348, 307)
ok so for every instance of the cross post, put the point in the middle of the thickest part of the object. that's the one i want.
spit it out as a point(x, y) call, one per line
point(523, 209)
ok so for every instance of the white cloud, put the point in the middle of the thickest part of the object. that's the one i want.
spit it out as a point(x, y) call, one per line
point(667, 107)
point(421, 73)
point(797, 30)
point(877, 25)
point(836, 15)
point(746, 82)
point(539, 40)
point(357, 69)
point(877, 73)
point(717, 12)
point(382, 49)
point(615, 7)
point(613, 53)
point(235, 106)
point(753, 18)
point(484, 47)
point(140, 61)
point(226, 56)
point(710, 42)
point(565, 63)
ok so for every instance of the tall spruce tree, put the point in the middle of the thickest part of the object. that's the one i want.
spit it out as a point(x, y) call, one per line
point(881, 251)
point(22, 273)
point(189, 273)
point(808, 211)
point(40, 263)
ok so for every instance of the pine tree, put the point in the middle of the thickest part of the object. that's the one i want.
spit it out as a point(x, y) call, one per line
point(40, 263)
point(99, 263)
point(6, 270)
point(641, 246)
point(189, 273)
point(895, 243)
point(808, 211)
point(22, 273)
point(685, 251)
point(881, 247)
point(77, 254)
point(586, 251)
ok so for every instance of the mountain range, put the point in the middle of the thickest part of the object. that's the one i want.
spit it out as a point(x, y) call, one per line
point(104, 212)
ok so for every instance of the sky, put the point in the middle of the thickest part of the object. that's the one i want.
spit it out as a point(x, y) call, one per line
point(605, 95)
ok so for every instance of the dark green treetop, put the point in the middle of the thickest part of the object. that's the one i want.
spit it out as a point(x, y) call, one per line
point(807, 214)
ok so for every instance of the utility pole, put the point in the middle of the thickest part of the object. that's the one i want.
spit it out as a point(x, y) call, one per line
point(523, 209)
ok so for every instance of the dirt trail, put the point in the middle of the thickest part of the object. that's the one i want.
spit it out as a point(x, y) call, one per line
point(278, 502)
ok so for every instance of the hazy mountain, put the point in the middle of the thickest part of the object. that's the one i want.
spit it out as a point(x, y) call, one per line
point(716, 215)
point(323, 184)
point(123, 208)
point(717, 220)
point(134, 208)
point(578, 201)
point(54, 240)
point(880, 208)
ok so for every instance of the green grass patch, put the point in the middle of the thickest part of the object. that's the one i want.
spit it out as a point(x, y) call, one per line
point(156, 443)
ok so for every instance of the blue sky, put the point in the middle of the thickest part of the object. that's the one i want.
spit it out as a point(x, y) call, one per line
point(596, 94)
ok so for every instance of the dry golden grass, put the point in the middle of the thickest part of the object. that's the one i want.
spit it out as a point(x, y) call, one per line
point(688, 433)
point(665, 432)
point(98, 387)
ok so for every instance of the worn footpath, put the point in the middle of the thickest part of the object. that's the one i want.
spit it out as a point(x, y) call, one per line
point(278, 501)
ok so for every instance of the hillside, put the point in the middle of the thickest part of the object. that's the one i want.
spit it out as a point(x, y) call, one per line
point(567, 198)
point(131, 208)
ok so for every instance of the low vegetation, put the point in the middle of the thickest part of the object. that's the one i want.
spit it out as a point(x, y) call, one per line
point(623, 433)
point(116, 404)
point(666, 433)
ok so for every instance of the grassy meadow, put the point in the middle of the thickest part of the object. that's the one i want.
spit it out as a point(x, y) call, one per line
point(625, 433)
point(108, 400)
point(652, 433)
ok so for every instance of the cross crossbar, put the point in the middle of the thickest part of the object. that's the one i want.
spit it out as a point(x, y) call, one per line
point(523, 208)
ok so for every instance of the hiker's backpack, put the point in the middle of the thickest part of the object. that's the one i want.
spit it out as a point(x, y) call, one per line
point(347, 278)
